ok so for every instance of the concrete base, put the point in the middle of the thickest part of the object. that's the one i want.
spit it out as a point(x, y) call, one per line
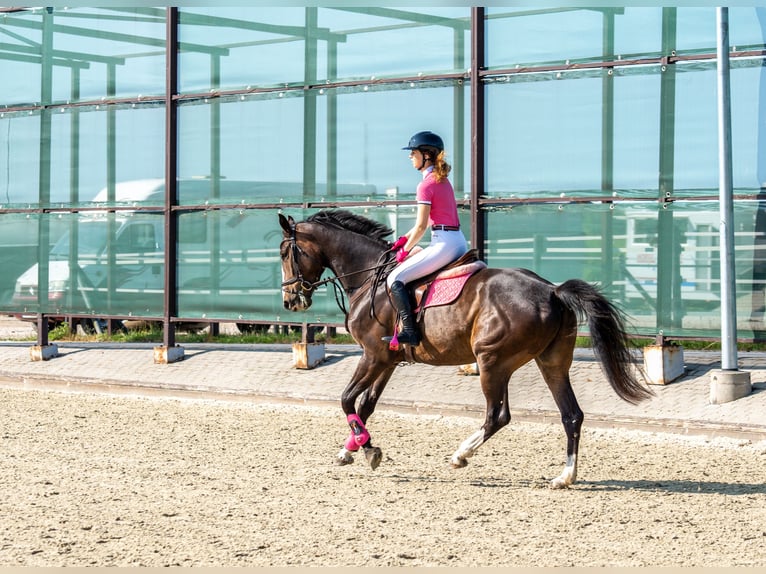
point(307, 355)
point(43, 352)
point(726, 386)
point(165, 355)
point(663, 363)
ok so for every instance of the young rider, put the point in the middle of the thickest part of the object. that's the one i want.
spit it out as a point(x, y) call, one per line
point(436, 208)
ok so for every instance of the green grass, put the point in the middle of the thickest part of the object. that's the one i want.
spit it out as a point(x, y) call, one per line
point(153, 334)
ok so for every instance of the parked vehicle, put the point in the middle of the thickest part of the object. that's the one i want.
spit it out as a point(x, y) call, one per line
point(113, 263)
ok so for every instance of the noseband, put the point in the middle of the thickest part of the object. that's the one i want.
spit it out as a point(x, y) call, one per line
point(304, 285)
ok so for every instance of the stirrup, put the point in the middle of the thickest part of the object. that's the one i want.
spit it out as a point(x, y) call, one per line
point(406, 337)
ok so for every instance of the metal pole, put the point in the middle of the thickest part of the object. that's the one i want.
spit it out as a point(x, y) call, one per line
point(171, 173)
point(478, 64)
point(728, 287)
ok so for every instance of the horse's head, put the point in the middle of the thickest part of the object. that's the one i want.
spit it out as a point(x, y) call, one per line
point(301, 267)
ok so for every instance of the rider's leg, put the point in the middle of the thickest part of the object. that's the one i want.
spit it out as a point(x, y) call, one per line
point(400, 297)
point(436, 255)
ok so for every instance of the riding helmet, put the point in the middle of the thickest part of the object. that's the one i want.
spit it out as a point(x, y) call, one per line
point(425, 139)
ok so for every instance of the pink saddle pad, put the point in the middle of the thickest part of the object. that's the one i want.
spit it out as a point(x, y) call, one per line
point(448, 285)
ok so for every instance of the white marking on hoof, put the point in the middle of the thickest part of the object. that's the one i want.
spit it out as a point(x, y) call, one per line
point(344, 457)
point(458, 462)
point(467, 449)
point(567, 476)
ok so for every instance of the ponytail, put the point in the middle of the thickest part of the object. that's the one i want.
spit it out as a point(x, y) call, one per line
point(441, 167)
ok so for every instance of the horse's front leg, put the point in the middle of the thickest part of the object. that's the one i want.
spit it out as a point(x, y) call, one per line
point(368, 382)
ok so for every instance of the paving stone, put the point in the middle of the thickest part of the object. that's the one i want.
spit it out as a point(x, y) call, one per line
point(261, 372)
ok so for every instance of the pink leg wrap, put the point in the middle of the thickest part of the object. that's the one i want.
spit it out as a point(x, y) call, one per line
point(359, 434)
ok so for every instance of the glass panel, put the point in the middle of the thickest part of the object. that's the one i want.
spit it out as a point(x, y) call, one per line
point(636, 137)
point(696, 28)
point(747, 28)
point(559, 242)
point(521, 37)
point(88, 54)
point(661, 265)
point(20, 57)
point(257, 140)
point(19, 240)
point(384, 42)
point(229, 264)
point(637, 31)
point(84, 144)
point(107, 52)
point(114, 267)
point(19, 159)
point(373, 126)
point(355, 146)
point(696, 134)
point(233, 48)
point(575, 110)
point(536, 123)
point(748, 117)
point(267, 47)
point(130, 136)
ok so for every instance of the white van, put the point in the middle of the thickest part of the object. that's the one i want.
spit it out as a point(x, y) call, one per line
point(228, 260)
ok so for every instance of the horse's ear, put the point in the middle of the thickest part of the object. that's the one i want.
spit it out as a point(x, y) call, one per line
point(287, 223)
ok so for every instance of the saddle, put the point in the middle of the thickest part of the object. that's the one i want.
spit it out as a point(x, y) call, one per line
point(442, 287)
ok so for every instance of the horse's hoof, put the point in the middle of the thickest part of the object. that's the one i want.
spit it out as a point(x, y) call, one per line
point(458, 462)
point(558, 484)
point(373, 455)
point(344, 458)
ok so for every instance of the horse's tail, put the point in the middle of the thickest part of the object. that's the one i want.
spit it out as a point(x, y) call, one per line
point(608, 336)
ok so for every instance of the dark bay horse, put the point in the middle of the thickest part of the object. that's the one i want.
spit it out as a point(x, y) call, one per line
point(503, 319)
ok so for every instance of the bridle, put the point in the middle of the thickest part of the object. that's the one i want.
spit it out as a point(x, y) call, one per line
point(306, 286)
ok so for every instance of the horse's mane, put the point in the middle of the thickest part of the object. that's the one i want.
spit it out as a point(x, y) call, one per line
point(352, 222)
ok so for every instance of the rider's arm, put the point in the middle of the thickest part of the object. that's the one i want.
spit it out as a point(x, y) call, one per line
point(415, 234)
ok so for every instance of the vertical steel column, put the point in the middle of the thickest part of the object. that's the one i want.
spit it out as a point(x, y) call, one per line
point(215, 184)
point(74, 189)
point(607, 149)
point(332, 121)
point(728, 277)
point(478, 170)
point(171, 173)
point(111, 188)
point(44, 189)
point(310, 106)
point(458, 146)
point(668, 274)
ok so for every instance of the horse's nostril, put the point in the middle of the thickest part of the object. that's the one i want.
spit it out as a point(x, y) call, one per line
point(286, 304)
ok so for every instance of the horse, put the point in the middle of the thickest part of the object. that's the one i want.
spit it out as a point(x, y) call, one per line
point(503, 319)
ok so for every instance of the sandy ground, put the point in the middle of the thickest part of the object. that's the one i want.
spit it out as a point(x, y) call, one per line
point(117, 480)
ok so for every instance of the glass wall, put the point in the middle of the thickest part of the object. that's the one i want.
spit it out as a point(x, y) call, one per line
point(602, 157)
point(599, 158)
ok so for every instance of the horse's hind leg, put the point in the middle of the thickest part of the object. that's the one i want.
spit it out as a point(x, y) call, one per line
point(556, 376)
point(498, 414)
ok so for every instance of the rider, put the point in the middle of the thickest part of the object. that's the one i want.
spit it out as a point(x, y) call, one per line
point(436, 209)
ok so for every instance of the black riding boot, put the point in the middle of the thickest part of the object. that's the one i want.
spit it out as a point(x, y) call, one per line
point(401, 298)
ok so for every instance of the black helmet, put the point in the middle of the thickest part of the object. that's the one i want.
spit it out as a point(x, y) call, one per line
point(425, 139)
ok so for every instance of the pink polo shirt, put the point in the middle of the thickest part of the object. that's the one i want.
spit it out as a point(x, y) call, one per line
point(441, 197)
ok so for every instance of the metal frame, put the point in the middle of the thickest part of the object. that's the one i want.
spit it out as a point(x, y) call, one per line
point(477, 75)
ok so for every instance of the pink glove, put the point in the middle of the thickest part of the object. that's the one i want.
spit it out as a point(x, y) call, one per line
point(401, 255)
point(399, 243)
